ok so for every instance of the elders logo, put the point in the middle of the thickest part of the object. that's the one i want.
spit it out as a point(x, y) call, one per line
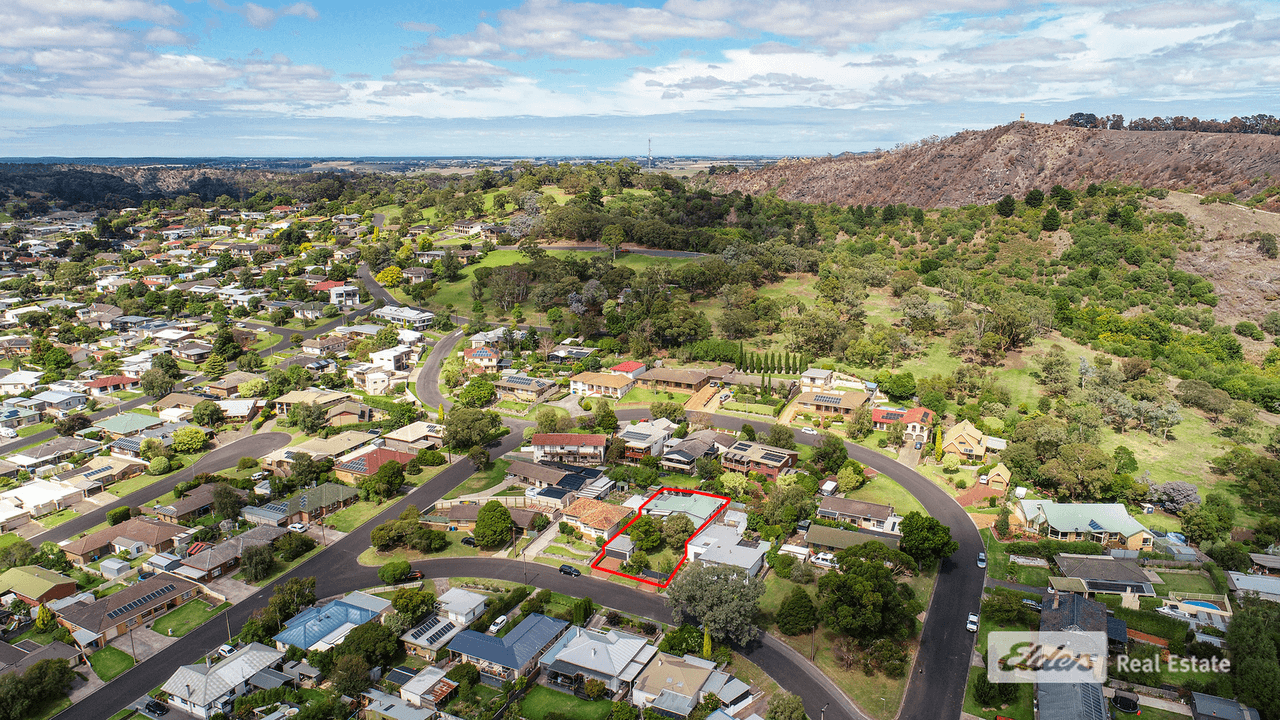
point(1047, 657)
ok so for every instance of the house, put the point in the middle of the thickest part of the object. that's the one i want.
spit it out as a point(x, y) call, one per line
point(101, 472)
point(20, 381)
point(344, 296)
point(1212, 707)
point(865, 515)
point(684, 454)
point(1075, 613)
point(348, 412)
point(415, 436)
point(19, 417)
point(968, 443)
point(222, 558)
point(126, 424)
point(18, 659)
point(407, 317)
point(513, 656)
point(94, 623)
point(482, 357)
point(814, 380)
point(52, 452)
point(457, 609)
point(429, 689)
point(997, 478)
point(366, 464)
point(323, 398)
point(61, 403)
point(568, 448)
point(462, 516)
point(497, 337)
point(834, 403)
point(324, 345)
point(153, 535)
point(673, 380)
point(461, 606)
point(110, 384)
point(699, 508)
point(1265, 587)
point(674, 686)
point(630, 368)
point(194, 505)
point(1106, 523)
point(722, 545)
point(614, 658)
point(595, 518)
point(644, 438)
point(35, 585)
point(193, 352)
point(41, 497)
point(523, 388)
point(594, 384)
point(396, 359)
point(229, 385)
point(821, 538)
point(916, 421)
point(323, 626)
point(305, 506)
point(204, 690)
point(534, 475)
point(748, 457)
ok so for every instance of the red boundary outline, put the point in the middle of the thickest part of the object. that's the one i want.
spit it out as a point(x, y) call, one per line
point(595, 565)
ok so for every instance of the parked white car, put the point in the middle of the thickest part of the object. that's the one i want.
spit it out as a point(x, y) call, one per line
point(824, 559)
point(808, 431)
point(498, 624)
point(7, 432)
point(298, 527)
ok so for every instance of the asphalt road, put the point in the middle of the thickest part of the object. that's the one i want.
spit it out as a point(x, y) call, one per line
point(217, 459)
point(428, 385)
point(936, 689)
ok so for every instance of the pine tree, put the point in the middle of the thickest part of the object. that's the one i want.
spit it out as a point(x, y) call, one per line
point(1006, 206)
point(215, 367)
point(1052, 220)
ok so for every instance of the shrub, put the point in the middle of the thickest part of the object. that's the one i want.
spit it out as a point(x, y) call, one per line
point(117, 515)
point(159, 466)
point(247, 463)
point(394, 571)
point(431, 458)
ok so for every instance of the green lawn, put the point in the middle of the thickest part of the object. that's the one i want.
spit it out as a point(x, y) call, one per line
point(750, 408)
point(426, 474)
point(186, 617)
point(133, 484)
point(1180, 582)
point(124, 714)
point(265, 341)
point(33, 429)
point(357, 514)
point(374, 558)
point(482, 480)
point(542, 700)
point(884, 490)
point(997, 558)
point(38, 637)
point(56, 519)
point(109, 662)
point(642, 396)
point(1033, 576)
point(49, 709)
point(1019, 710)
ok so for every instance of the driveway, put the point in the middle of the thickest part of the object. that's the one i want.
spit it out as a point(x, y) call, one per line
point(142, 643)
point(233, 590)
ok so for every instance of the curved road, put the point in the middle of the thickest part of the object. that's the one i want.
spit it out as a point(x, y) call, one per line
point(219, 458)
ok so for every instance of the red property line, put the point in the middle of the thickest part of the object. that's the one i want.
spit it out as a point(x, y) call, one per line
point(639, 513)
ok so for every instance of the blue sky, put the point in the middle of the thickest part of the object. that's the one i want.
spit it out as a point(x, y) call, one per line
point(559, 77)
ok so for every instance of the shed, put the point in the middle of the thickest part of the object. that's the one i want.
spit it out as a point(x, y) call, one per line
point(114, 567)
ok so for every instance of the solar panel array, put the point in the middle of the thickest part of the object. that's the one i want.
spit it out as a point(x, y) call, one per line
point(279, 507)
point(632, 435)
point(827, 399)
point(140, 601)
point(522, 380)
point(1093, 525)
point(435, 627)
point(97, 471)
point(893, 416)
point(359, 464)
point(772, 457)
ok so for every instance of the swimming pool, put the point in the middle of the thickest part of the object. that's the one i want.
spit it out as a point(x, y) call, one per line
point(1202, 603)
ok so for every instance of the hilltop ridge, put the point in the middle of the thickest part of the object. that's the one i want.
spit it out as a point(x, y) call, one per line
point(981, 166)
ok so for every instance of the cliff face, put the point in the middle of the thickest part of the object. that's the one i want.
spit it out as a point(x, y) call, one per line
point(981, 166)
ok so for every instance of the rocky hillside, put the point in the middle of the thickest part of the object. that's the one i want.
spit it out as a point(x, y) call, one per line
point(981, 166)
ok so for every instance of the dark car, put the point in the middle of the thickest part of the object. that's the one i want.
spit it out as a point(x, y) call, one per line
point(146, 575)
point(570, 570)
point(413, 575)
point(469, 541)
point(156, 708)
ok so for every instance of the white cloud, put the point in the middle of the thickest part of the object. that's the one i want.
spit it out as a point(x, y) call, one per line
point(264, 18)
point(1177, 14)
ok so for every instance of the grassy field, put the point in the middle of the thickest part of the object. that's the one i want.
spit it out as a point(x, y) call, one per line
point(886, 491)
point(357, 514)
point(109, 662)
point(38, 637)
point(542, 701)
point(1182, 582)
point(186, 617)
point(375, 558)
point(56, 519)
point(482, 480)
point(997, 558)
point(133, 484)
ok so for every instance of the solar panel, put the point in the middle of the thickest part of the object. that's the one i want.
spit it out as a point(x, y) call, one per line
point(1093, 525)
point(427, 626)
point(772, 457)
point(444, 630)
point(827, 399)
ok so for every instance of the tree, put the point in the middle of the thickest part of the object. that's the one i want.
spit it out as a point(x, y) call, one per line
point(479, 457)
point(851, 477)
point(391, 276)
point(864, 600)
point(156, 383)
point(307, 417)
point(646, 533)
point(226, 502)
point(1035, 198)
point(1006, 206)
point(350, 675)
point(604, 417)
point(293, 545)
point(493, 525)
point(413, 603)
point(900, 386)
point(216, 366)
point(895, 434)
point(925, 538)
point(45, 620)
point(781, 436)
point(720, 597)
point(677, 529)
point(72, 424)
point(477, 393)
point(785, 706)
point(467, 427)
point(1051, 221)
point(159, 466)
point(394, 572)
point(296, 339)
point(385, 482)
point(831, 455)
point(797, 614)
point(749, 432)
point(189, 440)
point(207, 413)
point(257, 562)
point(115, 516)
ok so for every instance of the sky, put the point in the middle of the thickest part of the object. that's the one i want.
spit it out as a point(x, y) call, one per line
point(184, 78)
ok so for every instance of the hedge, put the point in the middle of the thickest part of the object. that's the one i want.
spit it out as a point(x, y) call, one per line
point(1047, 548)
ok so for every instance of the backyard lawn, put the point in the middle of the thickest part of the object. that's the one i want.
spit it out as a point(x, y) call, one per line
point(109, 662)
point(186, 617)
point(542, 701)
point(884, 490)
point(1184, 582)
point(482, 480)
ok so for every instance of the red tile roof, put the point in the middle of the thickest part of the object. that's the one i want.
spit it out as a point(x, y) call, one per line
point(326, 285)
point(480, 352)
point(568, 439)
point(914, 415)
point(111, 380)
point(628, 366)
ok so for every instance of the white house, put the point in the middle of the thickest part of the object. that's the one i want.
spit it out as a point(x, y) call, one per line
point(20, 381)
point(344, 296)
point(405, 316)
point(205, 690)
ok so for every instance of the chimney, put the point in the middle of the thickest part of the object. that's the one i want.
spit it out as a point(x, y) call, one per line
point(1056, 599)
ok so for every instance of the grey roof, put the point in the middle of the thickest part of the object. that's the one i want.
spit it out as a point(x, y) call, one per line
point(1216, 707)
point(1065, 611)
point(1100, 567)
point(392, 706)
point(1267, 561)
point(1071, 701)
point(675, 703)
point(460, 602)
point(1083, 517)
point(612, 654)
point(1261, 584)
point(201, 685)
point(725, 547)
point(514, 650)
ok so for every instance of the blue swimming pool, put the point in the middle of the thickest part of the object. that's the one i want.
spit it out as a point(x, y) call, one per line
point(1202, 603)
